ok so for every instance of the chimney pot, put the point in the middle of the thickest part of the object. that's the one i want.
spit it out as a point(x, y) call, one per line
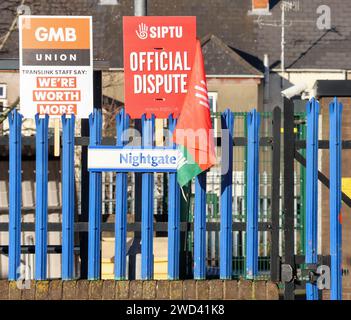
point(260, 4)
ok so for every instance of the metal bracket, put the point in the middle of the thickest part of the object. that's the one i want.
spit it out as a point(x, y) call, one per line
point(311, 274)
point(287, 273)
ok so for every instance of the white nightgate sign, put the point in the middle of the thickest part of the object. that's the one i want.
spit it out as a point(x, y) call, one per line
point(130, 160)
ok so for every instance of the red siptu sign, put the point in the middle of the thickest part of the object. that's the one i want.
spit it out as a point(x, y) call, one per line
point(158, 57)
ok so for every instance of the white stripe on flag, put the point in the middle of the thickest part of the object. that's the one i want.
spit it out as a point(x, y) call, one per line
point(201, 96)
point(201, 89)
point(204, 104)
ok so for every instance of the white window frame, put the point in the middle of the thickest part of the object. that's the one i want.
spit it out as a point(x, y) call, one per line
point(4, 95)
point(109, 2)
point(214, 96)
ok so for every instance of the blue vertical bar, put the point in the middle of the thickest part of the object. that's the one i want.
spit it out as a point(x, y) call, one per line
point(335, 118)
point(173, 217)
point(67, 196)
point(200, 227)
point(122, 124)
point(95, 199)
point(226, 234)
point(15, 196)
point(147, 209)
point(312, 191)
point(41, 205)
point(253, 127)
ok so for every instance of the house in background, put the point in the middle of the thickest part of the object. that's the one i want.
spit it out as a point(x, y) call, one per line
point(315, 47)
point(232, 81)
point(9, 82)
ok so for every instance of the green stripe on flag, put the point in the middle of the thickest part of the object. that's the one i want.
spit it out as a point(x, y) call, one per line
point(189, 169)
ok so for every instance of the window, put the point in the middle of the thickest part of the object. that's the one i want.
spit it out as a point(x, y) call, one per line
point(212, 99)
point(2, 91)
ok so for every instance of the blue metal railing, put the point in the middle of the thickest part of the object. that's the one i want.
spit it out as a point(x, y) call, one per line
point(335, 110)
point(251, 261)
point(147, 206)
point(122, 124)
point(253, 124)
point(173, 217)
point(312, 191)
point(41, 205)
point(226, 234)
point(15, 121)
point(68, 197)
point(95, 121)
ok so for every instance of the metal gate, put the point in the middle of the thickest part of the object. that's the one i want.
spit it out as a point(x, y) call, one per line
point(253, 221)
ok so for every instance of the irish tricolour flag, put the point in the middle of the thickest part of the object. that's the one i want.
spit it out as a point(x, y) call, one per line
point(193, 133)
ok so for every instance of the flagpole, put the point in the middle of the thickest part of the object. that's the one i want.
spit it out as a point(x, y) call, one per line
point(134, 270)
point(140, 8)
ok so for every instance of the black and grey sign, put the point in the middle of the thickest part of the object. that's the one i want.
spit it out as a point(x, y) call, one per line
point(47, 57)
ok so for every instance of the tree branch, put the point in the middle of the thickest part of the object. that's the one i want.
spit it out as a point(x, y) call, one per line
point(3, 115)
point(12, 29)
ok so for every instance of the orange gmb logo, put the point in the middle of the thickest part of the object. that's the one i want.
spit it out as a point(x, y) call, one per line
point(58, 33)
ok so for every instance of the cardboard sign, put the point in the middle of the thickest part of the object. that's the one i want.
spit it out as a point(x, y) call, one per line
point(158, 57)
point(105, 158)
point(56, 65)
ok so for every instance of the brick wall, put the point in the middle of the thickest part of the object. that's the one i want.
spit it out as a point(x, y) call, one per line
point(141, 290)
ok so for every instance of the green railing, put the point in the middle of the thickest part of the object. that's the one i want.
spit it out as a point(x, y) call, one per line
point(240, 199)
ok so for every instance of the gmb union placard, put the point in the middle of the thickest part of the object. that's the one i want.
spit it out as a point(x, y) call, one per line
point(158, 58)
point(56, 65)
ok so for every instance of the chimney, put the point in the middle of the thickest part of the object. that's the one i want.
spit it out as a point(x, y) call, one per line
point(260, 5)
